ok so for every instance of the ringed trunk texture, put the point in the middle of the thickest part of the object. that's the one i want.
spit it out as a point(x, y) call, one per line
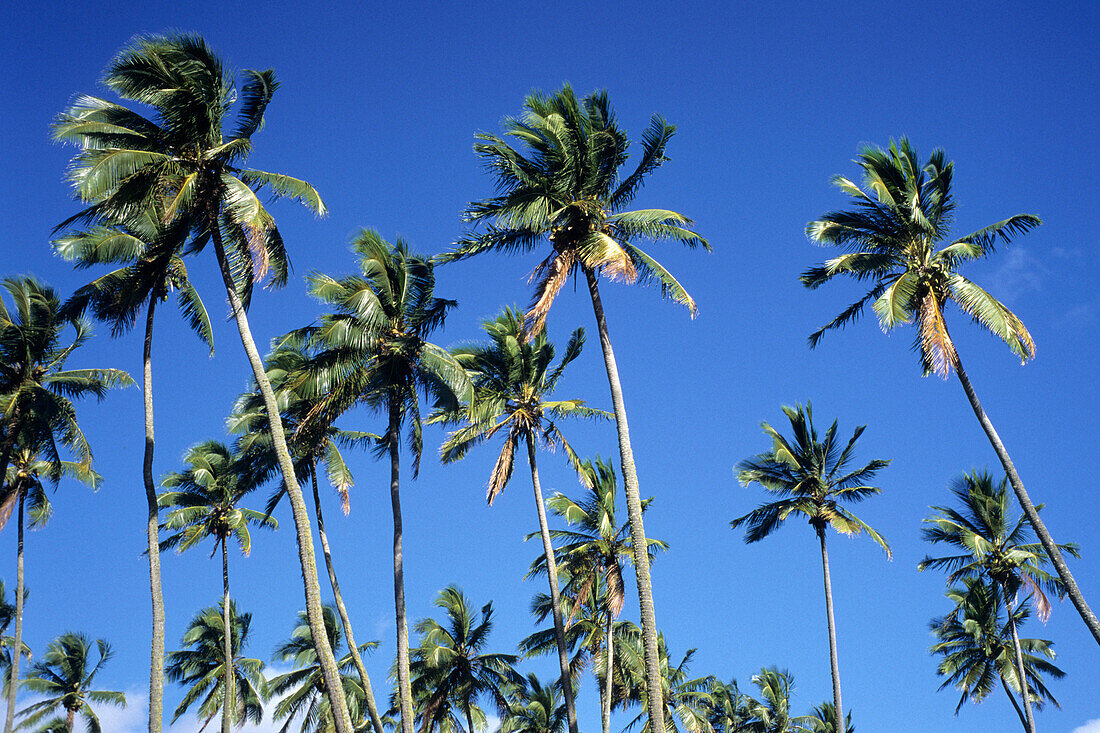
point(368, 691)
point(1025, 693)
point(654, 700)
point(152, 529)
point(228, 701)
point(1030, 512)
point(325, 657)
point(17, 647)
point(833, 661)
point(555, 594)
point(404, 684)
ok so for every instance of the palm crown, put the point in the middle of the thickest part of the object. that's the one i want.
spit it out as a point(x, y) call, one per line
point(64, 676)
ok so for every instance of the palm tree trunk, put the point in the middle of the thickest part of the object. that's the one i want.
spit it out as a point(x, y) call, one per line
point(833, 661)
point(17, 646)
point(156, 654)
point(228, 699)
point(329, 672)
point(70, 719)
point(1015, 705)
point(368, 691)
point(555, 594)
point(605, 693)
point(654, 702)
point(1030, 512)
point(404, 685)
point(1025, 693)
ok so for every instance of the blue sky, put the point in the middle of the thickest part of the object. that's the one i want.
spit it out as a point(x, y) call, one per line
point(378, 107)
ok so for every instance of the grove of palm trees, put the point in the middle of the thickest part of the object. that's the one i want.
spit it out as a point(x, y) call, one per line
point(306, 290)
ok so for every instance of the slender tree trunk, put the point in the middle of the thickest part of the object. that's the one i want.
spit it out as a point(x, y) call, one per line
point(70, 720)
point(404, 684)
point(156, 652)
point(1030, 512)
point(1015, 705)
point(605, 696)
point(469, 720)
point(555, 594)
point(8, 445)
point(654, 702)
point(17, 647)
point(368, 691)
point(1025, 693)
point(228, 701)
point(833, 661)
point(327, 660)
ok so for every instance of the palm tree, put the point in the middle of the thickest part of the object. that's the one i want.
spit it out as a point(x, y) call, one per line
point(450, 669)
point(728, 711)
point(151, 268)
point(65, 676)
point(311, 444)
point(182, 163)
point(772, 712)
point(891, 234)
point(814, 477)
point(205, 505)
point(978, 651)
point(7, 615)
point(823, 720)
point(373, 351)
point(535, 708)
point(564, 185)
point(686, 700)
point(513, 380)
point(994, 548)
point(301, 691)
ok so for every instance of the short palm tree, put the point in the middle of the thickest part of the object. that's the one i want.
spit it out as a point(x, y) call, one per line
point(772, 712)
point(513, 380)
point(822, 719)
point(65, 677)
point(814, 477)
point(996, 548)
point(728, 710)
point(373, 350)
point(201, 665)
point(189, 163)
point(204, 504)
point(897, 220)
point(534, 708)
point(687, 700)
point(976, 644)
point(563, 185)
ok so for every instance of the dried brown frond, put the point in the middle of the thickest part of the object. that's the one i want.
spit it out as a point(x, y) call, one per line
point(935, 343)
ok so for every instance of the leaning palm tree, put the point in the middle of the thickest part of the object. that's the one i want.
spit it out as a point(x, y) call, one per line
point(534, 708)
point(891, 233)
point(372, 350)
point(513, 380)
point(995, 548)
point(205, 504)
point(65, 676)
point(978, 651)
point(563, 184)
point(185, 162)
point(813, 476)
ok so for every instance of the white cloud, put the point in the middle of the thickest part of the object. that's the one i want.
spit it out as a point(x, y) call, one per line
point(1092, 726)
point(1018, 273)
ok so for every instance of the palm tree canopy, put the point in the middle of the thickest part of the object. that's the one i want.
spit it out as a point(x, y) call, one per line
point(772, 712)
point(28, 476)
point(814, 476)
point(823, 719)
point(534, 708)
point(563, 182)
point(65, 676)
point(897, 219)
point(687, 700)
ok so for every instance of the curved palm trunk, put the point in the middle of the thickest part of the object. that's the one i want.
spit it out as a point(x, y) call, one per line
point(654, 702)
point(555, 594)
point(833, 661)
point(228, 700)
point(605, 693)
point(1025, 693)
point(368, 691)
point(329, 671)
point(17, 647)
point(404, 685)
point(156, 653)
point(1015, 705)
point(1030, 512)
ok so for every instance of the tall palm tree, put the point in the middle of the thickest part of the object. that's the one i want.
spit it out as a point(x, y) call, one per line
point(563, 184)
point(772, 712)
point(996, 548)
point(813, 477)
point(897, 220)
point(513, 381)
point(205, 504)
point(301, 691)
point(976, 644)
point(372, 350)
point(687, 700)
point(7, 643)
point(202, 664)
point(451, 669)
point(535, 708)
point(185, 163)
point(152, 267)
point(65, 677)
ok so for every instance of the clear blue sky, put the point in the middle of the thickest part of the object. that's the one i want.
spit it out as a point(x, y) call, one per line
point(378, 108)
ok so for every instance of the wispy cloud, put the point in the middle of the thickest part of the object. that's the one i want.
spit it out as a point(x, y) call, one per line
point(1092, 726)
point(1019, 273)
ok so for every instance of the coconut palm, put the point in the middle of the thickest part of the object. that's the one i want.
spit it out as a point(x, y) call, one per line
point(188, 164)
point(205, 504)
point(687, 700)
point(563, 185)
point(535, 708)
point(301, 691)
point(728, 710)
point(451, 671)
point(513, 380)
point(65, 677)
point(823, 720)
point(7, 643)
point(372, 350)
point(976, 644)
point(772, 712)
point(813, 477)
point(151, 268)
point(996, 548)
point(891, 233)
